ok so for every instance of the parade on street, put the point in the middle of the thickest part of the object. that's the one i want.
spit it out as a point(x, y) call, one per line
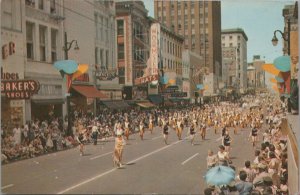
point(149, 97)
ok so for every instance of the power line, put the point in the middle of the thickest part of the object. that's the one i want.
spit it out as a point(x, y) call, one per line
point(84, 16)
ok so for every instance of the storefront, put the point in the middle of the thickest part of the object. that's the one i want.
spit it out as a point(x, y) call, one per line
point(14, 92)
point(83, 97)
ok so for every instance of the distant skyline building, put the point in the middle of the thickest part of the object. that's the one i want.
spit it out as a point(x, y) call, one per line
point(236, 38)
point(199, 22)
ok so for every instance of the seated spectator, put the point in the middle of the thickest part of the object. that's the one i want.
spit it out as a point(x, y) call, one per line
point(211, 159)
point(223, 156)
point(250, 172)
point(283, 189)
point(257, 153)
point(243, 187)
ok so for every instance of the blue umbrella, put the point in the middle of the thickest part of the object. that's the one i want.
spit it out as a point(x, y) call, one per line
point(200, 86)
point(279, 80)
point(220, 175)
point(66, 66)
point(164, 80)
point(283, 63)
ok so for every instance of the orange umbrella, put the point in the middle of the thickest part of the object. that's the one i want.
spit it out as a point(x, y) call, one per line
point(275, 88)
point(172, 81)
point(82, 68)
point(273, 80)
point(270, 68)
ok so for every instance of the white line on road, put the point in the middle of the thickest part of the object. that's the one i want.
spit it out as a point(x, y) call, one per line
point(101, 155)
point(87, 181)
point(155, 151)
point(7, 186)
point(189, 159)
point(156, 137)
point(109, 171)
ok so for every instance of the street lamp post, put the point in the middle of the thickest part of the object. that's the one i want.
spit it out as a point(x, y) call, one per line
point(285, 37)
point(66, 48)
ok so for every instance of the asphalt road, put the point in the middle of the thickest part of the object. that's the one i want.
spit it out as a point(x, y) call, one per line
point(150, 167)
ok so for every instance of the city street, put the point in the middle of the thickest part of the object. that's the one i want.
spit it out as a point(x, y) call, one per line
point(150, 167)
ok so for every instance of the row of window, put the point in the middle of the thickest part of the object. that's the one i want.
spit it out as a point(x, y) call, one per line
point(231, 45)
point(42, 42)
point(102, 57)
point(104, 28)
point(41, 5)
point(230, 37)
point(181, 3)
point(171, 48)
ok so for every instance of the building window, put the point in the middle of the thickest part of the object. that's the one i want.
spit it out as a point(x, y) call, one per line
point(121, 51)
point(179, 11)
point(223, 44)
point(101, 57)
point(30, 3)
point(96, 55)
point(230, 44)
point(54, 45)
point(52, 7)
point(42, 32)
point(41, 4)
point(7, 14)
point(106, 58)
point(239, 38)
point(230, 37)
point(29, 40)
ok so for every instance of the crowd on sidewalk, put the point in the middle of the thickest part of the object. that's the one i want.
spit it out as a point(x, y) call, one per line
point(267, 172)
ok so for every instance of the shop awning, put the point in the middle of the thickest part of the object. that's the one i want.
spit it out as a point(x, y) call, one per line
point(88, 91)
point(115, 104)
point(156, 99)
point(48, 101)
point(145, 104)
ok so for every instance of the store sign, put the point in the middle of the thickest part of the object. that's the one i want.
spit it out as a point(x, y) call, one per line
point(179, 94)
point(294, 54)
point(148, 79)
point(155, 47)
point(104, 74)
point(14, 88)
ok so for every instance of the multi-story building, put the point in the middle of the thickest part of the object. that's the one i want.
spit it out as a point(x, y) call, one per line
point(132, 46)
point(12, 60)
point(259, 72)
point(191, 77)
point(229, 66)
point(237, 39)
point(251, 80)
point(166, 56)
point(105, 71)
point(42, 34)
point(199, 22)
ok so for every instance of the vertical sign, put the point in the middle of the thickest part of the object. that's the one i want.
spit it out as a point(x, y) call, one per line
point(294, 54)
point(155, 47)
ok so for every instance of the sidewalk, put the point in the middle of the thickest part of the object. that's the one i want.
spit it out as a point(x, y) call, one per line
point(293, 121)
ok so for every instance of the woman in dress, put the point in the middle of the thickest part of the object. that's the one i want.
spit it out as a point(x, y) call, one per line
point(141, 128)
point(118, 151)
point(192, 133)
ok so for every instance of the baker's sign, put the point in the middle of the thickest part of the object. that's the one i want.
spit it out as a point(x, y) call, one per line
point(13, 88)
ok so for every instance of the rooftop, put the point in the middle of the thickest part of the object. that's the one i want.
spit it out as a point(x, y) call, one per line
point(235, 30)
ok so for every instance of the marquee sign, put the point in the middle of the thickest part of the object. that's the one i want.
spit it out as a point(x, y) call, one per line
point(143, 80)
point(13, 88)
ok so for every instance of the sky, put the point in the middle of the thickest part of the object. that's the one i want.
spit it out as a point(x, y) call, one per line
point(258, 18)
